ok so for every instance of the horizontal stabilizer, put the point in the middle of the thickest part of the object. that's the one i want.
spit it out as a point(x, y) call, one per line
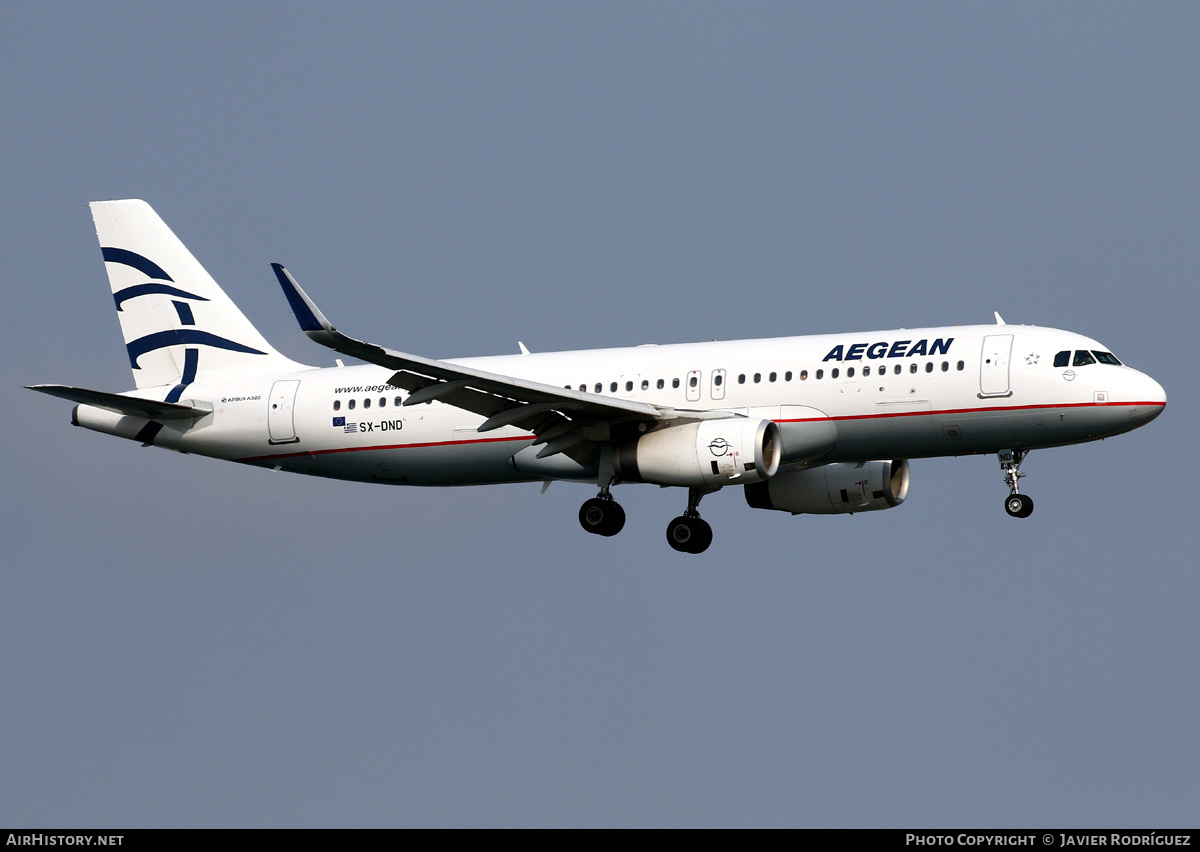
point(131, 405)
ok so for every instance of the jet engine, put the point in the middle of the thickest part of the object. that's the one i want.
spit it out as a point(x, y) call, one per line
point(834, 489)
point(725, 451)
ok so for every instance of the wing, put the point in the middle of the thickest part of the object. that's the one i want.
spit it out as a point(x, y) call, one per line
point(566, 421)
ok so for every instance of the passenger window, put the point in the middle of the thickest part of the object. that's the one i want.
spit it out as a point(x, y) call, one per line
point(820, 374)
point(833, 374)
point(674, 383)
point(366, 403)
point(1062, 359)
point(929, 367)
point(383, 402)
point(718, 379)
point(867, 370)
point(849, 373)
point(583, 388)
point(771, 377)
point(350, 405)
point(912, 368)
point(337, 405)
point(645, 384)
point(1082, 358)
point(612, 388)
point(398, 402)
point(741, 378)
point(787, 377)
point(803, 375)
point(628, 386)
point(599, 387)
point(945, 366)
point(896, 371)
point(693, 381)
point(960, 366)
point(660, 384)
point(757, 378)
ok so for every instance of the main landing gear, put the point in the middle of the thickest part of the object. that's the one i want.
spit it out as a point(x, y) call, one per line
point(689, 533)
point(602, 515)
point(1017, 505)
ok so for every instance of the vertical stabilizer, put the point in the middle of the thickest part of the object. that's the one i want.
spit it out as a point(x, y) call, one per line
point(177, 322)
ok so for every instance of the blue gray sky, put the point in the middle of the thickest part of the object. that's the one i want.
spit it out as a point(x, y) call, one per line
point(190, 643)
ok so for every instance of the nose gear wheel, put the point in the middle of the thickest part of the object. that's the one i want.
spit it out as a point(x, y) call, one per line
point(1017, 505)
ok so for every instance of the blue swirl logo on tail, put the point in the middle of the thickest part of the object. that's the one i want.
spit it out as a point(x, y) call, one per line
point(148, 268)
point(170, 337)
point(160, 339)
point(147, 289)
point(132, 258)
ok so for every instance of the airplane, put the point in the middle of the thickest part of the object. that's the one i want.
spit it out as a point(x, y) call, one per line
point(822, 424)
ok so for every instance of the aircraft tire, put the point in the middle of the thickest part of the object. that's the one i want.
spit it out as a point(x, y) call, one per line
point(602, 517)
point(704, 536)
point(689, 535)
point(1019, 505)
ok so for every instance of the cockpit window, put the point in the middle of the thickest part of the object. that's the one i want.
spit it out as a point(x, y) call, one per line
point(1106, 358)
point(1082, 358)
point(1062, 359)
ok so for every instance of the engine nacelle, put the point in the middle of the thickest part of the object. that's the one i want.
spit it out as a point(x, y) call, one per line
point(833, 489)
point(727, 451)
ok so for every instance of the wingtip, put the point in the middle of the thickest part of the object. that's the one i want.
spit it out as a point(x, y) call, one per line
point(307, 313)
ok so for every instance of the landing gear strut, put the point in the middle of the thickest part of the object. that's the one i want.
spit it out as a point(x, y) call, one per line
point(1017, 505)
point(689, 533)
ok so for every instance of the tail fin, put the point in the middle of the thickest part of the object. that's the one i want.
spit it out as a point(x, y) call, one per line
point(177, 322)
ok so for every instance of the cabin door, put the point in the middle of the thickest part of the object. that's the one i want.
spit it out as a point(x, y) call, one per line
point(993, 365)
point(281, 421)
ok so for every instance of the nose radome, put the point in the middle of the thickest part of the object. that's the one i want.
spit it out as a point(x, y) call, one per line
point(1157, 394)
point(1152, 391)
point(1150, 401)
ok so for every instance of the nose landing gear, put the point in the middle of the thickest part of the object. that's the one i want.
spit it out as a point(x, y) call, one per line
point(1017, 505)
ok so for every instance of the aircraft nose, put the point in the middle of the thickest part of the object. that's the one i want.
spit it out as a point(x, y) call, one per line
point(1150, 401)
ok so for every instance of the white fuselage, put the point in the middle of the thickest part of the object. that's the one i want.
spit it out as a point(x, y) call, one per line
point(906, 393)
